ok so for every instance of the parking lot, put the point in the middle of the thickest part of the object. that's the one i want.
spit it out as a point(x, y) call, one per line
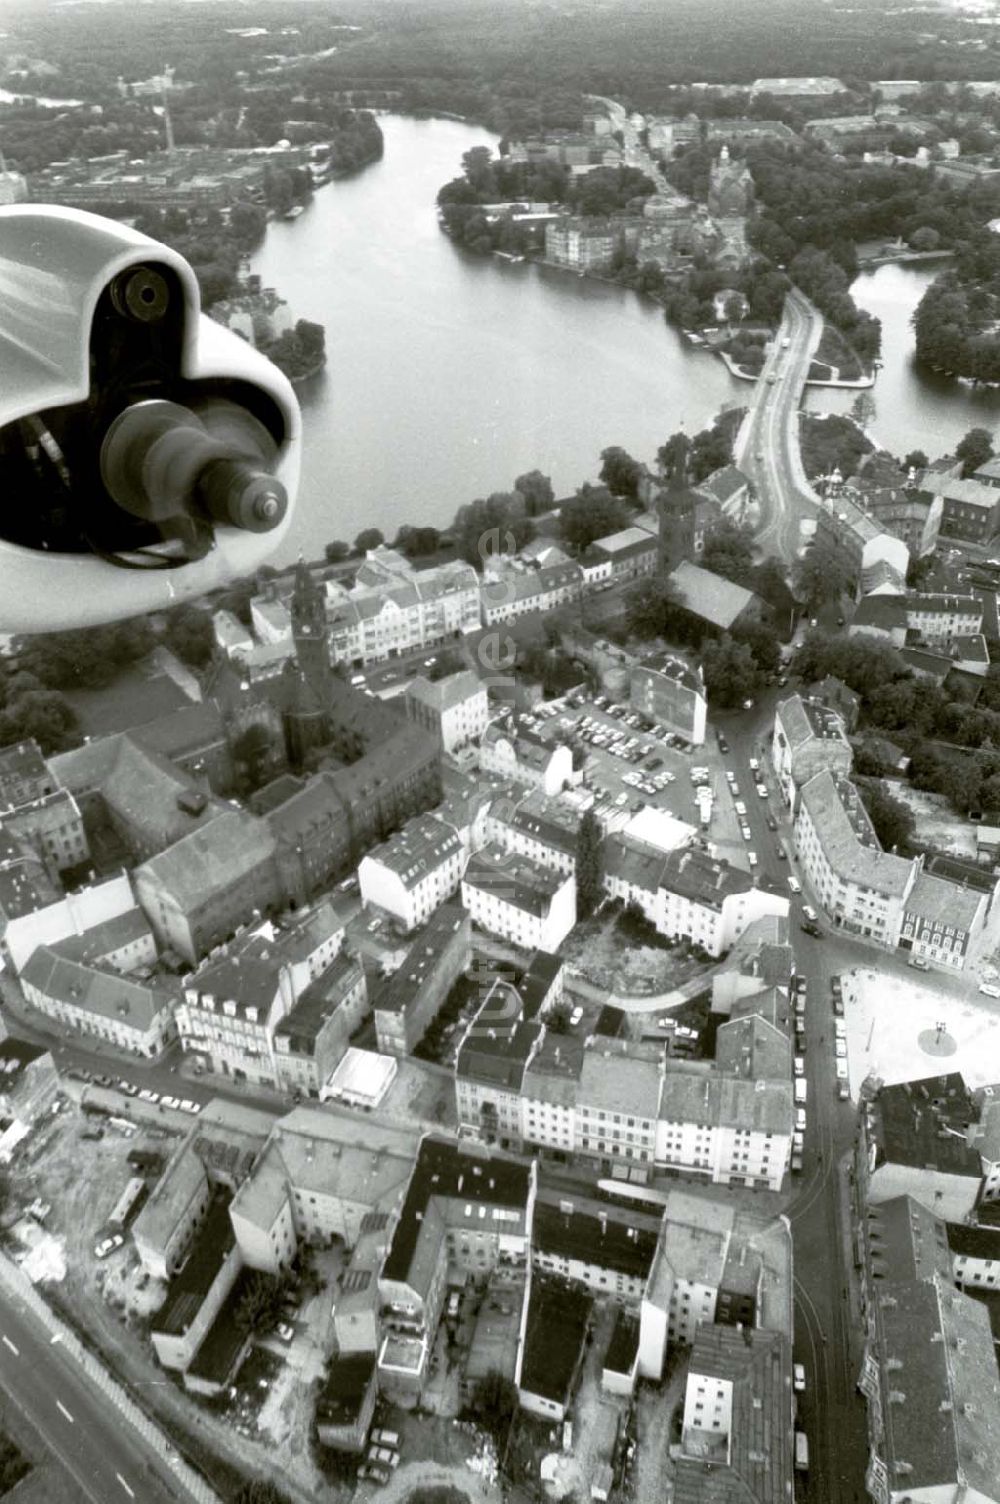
point(629, 757)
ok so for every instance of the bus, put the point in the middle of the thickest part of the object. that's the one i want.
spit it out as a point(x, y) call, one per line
point(128, 1203)
point(801, 1452)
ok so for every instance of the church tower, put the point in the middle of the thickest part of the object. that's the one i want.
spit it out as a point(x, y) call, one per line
point(308, 612)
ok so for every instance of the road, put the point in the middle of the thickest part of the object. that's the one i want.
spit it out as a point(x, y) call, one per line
point(770, 441)
point(102, 1453)
point(828, 1334)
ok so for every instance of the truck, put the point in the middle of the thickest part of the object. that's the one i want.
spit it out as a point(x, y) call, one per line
point(801, 1452)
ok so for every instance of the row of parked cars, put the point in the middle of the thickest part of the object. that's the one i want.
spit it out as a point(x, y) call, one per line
point(129, 1089)
point(382, 1458)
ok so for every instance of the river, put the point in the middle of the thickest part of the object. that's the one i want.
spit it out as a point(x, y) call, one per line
point(914, 408)
point(450, 374)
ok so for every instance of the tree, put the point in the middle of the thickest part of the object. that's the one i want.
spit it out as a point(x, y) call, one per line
point(672, 457)
point(494, 1401)
point(763, 643)
point(589, 865)
point(260, 1491)
point(336, 551)
point(620, 472)
point(496, 525)
point(863, 409)
point(817, 579)
point(592, 513)
point(537, 491)
point(557, 1021)
point(260, 1304)
point(188, 633)
point(728, 551)
point(44, 714)
point(892, 819)
point(731, 675)
point(915, 460)
point(651, 607)
point(369, 537)
point(974, 450)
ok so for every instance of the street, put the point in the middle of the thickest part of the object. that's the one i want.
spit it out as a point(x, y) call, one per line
point(828, 1335)
point(770, 440)
point(98, 1448)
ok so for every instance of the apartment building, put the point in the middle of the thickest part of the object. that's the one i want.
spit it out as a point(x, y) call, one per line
point(316, 1180)
point(393, 608)
point(672, 693)
point(914, 1140)
point(617, 1103)
point(536, 826)
point(198, 891)
point(50, 819)
point(619, 558)
point(407, 1003)
point(512, 748)
point(414, 872)
point(96, 1000)
point(314, 1035)
point(490, 1064)
point(233, 1004)
point(175, 1209)
point(533, 907)
point(944, 919)
point(861, 887)
point(910, 620)
point(858, 546)
point(738, 1391)
point(454, 709)
point(608, 1249)
point(686, 893)
point(930, 1380)
point(467, 1212)
point(513, 587)
point(808, 738)
point(970, 509)
point(725, 1128)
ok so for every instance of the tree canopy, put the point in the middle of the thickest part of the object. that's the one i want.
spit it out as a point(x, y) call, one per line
point(592, 513)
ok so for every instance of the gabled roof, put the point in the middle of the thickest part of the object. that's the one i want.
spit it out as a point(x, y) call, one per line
point(709, 596)
point(208, 861)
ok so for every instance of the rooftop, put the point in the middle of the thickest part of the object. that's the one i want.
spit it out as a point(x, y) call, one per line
point(226, 1337)
point(403, 989)
point(206, 862)
point(847, 838)
point(499, 1042)
point(515, 880)
point(941, 1394)
point(342, 1396)
point(709, 596)
point(922, 1124)
point(99, 990)
point(804, 720)
point(555, 1333)
point(462, 1175)
point(188, 1288)
point(444, 694)
point(423, 845)
point(944, 902)
point(593, 1232)
point(906, 1241)
point(672, 667)
point(619, 1076)
point(305, 1020)
point(754, 1463)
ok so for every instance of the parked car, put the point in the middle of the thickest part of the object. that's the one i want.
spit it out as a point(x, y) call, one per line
point(809, 912)
point(752, 858)
point(840, 1046)
point(989, 989)
point(798, 1378)
point(800, 984)
point(811, 928)
point(148, 1096)
point(108, 1245)
point(374, 1473)
point(746, 832)
point(843, 1092)
point(284, 1332)
point(838, 1005)
point(173, 1102)
point(384, 1456)
point(835, 986)
point(384, 1438)
point(919, 963)
point(771, 822)
point(753, 764)
point(794, 885)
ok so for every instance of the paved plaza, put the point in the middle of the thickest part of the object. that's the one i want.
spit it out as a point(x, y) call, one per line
point(900, 1030)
